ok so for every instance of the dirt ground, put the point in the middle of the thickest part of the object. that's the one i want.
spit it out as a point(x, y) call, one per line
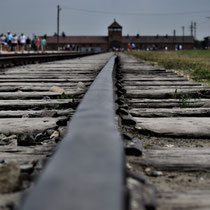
point(172, 183)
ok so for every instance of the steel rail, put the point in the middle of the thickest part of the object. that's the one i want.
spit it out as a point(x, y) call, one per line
point(39, 53)
point(87, 171)
point(19, 59)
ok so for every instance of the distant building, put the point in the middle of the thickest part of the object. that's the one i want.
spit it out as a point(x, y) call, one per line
point(207, 42)
point(116, 41)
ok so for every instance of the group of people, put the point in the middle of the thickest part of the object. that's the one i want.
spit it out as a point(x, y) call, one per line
point(12, 42)
point(131, 46)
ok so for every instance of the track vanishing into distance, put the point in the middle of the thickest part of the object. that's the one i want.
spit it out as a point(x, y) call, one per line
point(36, 101)
point(102, 132)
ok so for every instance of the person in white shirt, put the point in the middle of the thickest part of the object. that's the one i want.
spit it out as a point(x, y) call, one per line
point(14, 42)
point(22, 42)
point(2, 42)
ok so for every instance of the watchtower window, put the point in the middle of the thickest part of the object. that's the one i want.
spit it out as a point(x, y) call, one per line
point(115, 29)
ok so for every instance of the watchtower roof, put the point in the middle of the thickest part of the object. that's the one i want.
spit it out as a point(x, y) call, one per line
point(115, 24)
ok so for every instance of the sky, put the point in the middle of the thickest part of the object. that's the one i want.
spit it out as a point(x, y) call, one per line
point(92, 17)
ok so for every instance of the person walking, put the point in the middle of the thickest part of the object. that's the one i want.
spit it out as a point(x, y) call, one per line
point(18, 44)
point(22, 42)
point(37, 44)
point(14, 42)
point(9, 41)
point(28, 44)
point(2, 42)
point(43, 43)
point(33, 43)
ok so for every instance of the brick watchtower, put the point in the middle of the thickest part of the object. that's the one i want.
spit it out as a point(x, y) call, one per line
point(115, 35)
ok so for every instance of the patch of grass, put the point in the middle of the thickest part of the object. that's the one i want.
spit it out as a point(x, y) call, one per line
point(63, 96)
point(147, 146)
point(195, 63)
point(185, 100)
point(57, 106)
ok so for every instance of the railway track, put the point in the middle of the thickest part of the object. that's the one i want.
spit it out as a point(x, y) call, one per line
point(36, 103)
point(172, 120)
point(16, 59)
point(49, 122)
